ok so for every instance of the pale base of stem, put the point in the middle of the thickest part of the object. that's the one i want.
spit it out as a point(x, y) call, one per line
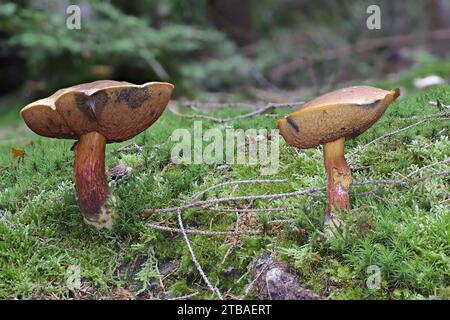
point(105, 220)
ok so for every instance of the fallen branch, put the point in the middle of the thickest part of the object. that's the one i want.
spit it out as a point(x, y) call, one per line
point(441, 173)
point(239, 210)
point(252, 283)
point(195, 231)
point(389, 134)
point(235, 240)
point(130, 146)
point(307, 192)
point(194, 258)
point(199, 194)
point(188, 296)
point(199, 105)
point(439, 104)
point(380, 182)
point(268, 107)
point(442, 115)
point(428, 166)
point(195, 116)
point(281, 221)
point(239, 198)
point(5, 219)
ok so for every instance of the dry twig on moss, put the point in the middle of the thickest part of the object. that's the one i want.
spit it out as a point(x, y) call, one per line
point(306, 192)
point(194, 231)
point(239, 210)
point(239, 198)
point(439, 104)
point(428, 166)
point(199, 194)
point(214, 290)
point(390, 134)
point(268, 107)
point(186, 297)
point(442, 115)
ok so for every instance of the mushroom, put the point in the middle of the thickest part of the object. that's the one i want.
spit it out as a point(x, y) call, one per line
point(94, 114)
point(330, 120)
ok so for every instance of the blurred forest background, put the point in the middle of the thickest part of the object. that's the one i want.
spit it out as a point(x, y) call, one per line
point(249, 47)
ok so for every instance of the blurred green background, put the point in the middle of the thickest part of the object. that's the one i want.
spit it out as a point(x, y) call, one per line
point(220, 45)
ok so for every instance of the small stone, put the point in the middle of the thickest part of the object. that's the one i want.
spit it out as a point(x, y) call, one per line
point(273, 281)
point(120, 172)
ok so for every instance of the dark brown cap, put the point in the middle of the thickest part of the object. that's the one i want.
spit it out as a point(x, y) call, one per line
point(117, 110)
point(344, 113)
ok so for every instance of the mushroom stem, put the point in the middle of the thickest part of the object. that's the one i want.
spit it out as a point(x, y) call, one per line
point(339, 178)
point(90, 180)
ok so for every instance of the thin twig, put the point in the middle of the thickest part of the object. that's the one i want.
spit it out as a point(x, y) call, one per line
point(248, 210)
point(5, 219)
point(280, 221)
point(240, 198)
point(428, 166)
point(193, 231)
point(269, 106)
point(307, 192)
point(195, 116)
point(129, 147)
point(441, 173)
point(439, 104)
point(380, 182)
point(196, 105)
point(442, 115)
point(188, 296)
point(199, 194)
point(389, 134)
point(231, 248)
point(251, 284)
point(214, 290)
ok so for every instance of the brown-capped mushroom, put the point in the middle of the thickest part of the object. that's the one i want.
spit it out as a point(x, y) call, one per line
point(96, 113)
point(330, 120)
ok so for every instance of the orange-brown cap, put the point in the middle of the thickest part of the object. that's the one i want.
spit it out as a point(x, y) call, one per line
point(117, 110)
point(344, 113)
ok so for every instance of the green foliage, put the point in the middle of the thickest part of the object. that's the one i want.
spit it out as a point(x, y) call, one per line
point(107, 36)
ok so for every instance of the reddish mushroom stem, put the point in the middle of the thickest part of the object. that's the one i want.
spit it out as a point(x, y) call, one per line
point(90, 180)
point(339, 178)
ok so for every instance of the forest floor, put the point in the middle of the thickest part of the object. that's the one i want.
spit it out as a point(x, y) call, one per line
point(402, 229)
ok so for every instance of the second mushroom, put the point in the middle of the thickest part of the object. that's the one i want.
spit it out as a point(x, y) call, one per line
point(95, 114)
point(330, 120)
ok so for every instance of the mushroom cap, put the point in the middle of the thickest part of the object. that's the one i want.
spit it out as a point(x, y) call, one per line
point(344, 113)
point(117, 110)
